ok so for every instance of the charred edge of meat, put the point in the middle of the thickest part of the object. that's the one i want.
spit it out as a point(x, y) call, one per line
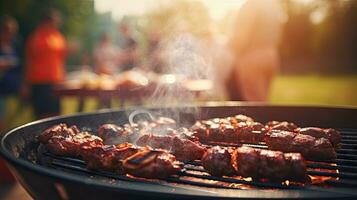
point(151, 164)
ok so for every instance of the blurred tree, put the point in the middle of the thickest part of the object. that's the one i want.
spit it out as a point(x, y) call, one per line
point(336, 36)
point(77, 17)
point(320, 36)
point(296, 44)
point(180, 15)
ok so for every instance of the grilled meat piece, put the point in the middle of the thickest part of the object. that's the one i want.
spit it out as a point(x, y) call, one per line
point(108, 157)
point(267, 164)
point(331, 134)
point(310, 147)
point(187, 150)
point(282, 126)
point(199, 132)
point(113, 134)
point(183, 149)
point(272, 165)
point(217, 161)
point(296, 165)
point(280, 140)
point(151, 164)
point(223, 130)
point(246, 161)
point(252, 133)
point(322, 150)
point(70, 145)
point(58, 130)
point(156, 141)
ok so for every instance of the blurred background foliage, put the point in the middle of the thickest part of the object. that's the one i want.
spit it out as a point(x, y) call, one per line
point(319, 35)
point(318, 47)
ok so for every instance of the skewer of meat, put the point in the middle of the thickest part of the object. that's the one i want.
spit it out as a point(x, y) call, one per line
point(309, 146)
point(331, 134)
point(255, 163)
point(171, 140)
point(127, 158)
point(229, 131)
point(268, 164)
point(124, 158)
point(114, 134)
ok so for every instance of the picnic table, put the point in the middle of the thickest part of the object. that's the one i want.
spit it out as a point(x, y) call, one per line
point(135, 95)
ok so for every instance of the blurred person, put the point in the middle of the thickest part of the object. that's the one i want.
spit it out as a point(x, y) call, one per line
point(154, 52)
point(128, 45)
point(46, 50)
point(10, 75)
point(10, 68)
point(105, 56)
point(255, 41)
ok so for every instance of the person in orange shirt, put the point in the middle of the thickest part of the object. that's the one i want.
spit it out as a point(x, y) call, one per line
point(46, 50)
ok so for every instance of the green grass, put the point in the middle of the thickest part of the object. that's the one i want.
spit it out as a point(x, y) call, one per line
point(315, 90)
point(299, 89)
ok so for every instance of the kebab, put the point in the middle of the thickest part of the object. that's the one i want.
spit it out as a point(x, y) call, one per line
point(255, 163)
point(144, 134)
point(230, 130)
point(309, 146)
point(314, 143)
point(125, 158)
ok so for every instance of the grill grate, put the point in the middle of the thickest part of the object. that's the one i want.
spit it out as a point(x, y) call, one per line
point(341, 172)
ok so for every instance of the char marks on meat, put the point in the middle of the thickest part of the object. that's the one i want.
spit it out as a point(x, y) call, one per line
point(268, 164)
point(123, 158)
point(108, 157)
point(151, 164)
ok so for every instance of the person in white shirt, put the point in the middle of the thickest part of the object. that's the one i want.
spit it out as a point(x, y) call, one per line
point(254, 42)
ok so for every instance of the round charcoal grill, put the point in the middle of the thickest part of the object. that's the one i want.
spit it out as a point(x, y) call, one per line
point(47, 176)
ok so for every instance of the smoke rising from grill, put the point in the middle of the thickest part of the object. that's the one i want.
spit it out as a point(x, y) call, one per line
point(186, 61)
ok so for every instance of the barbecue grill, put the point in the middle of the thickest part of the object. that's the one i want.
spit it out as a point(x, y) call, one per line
point(47, 176)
